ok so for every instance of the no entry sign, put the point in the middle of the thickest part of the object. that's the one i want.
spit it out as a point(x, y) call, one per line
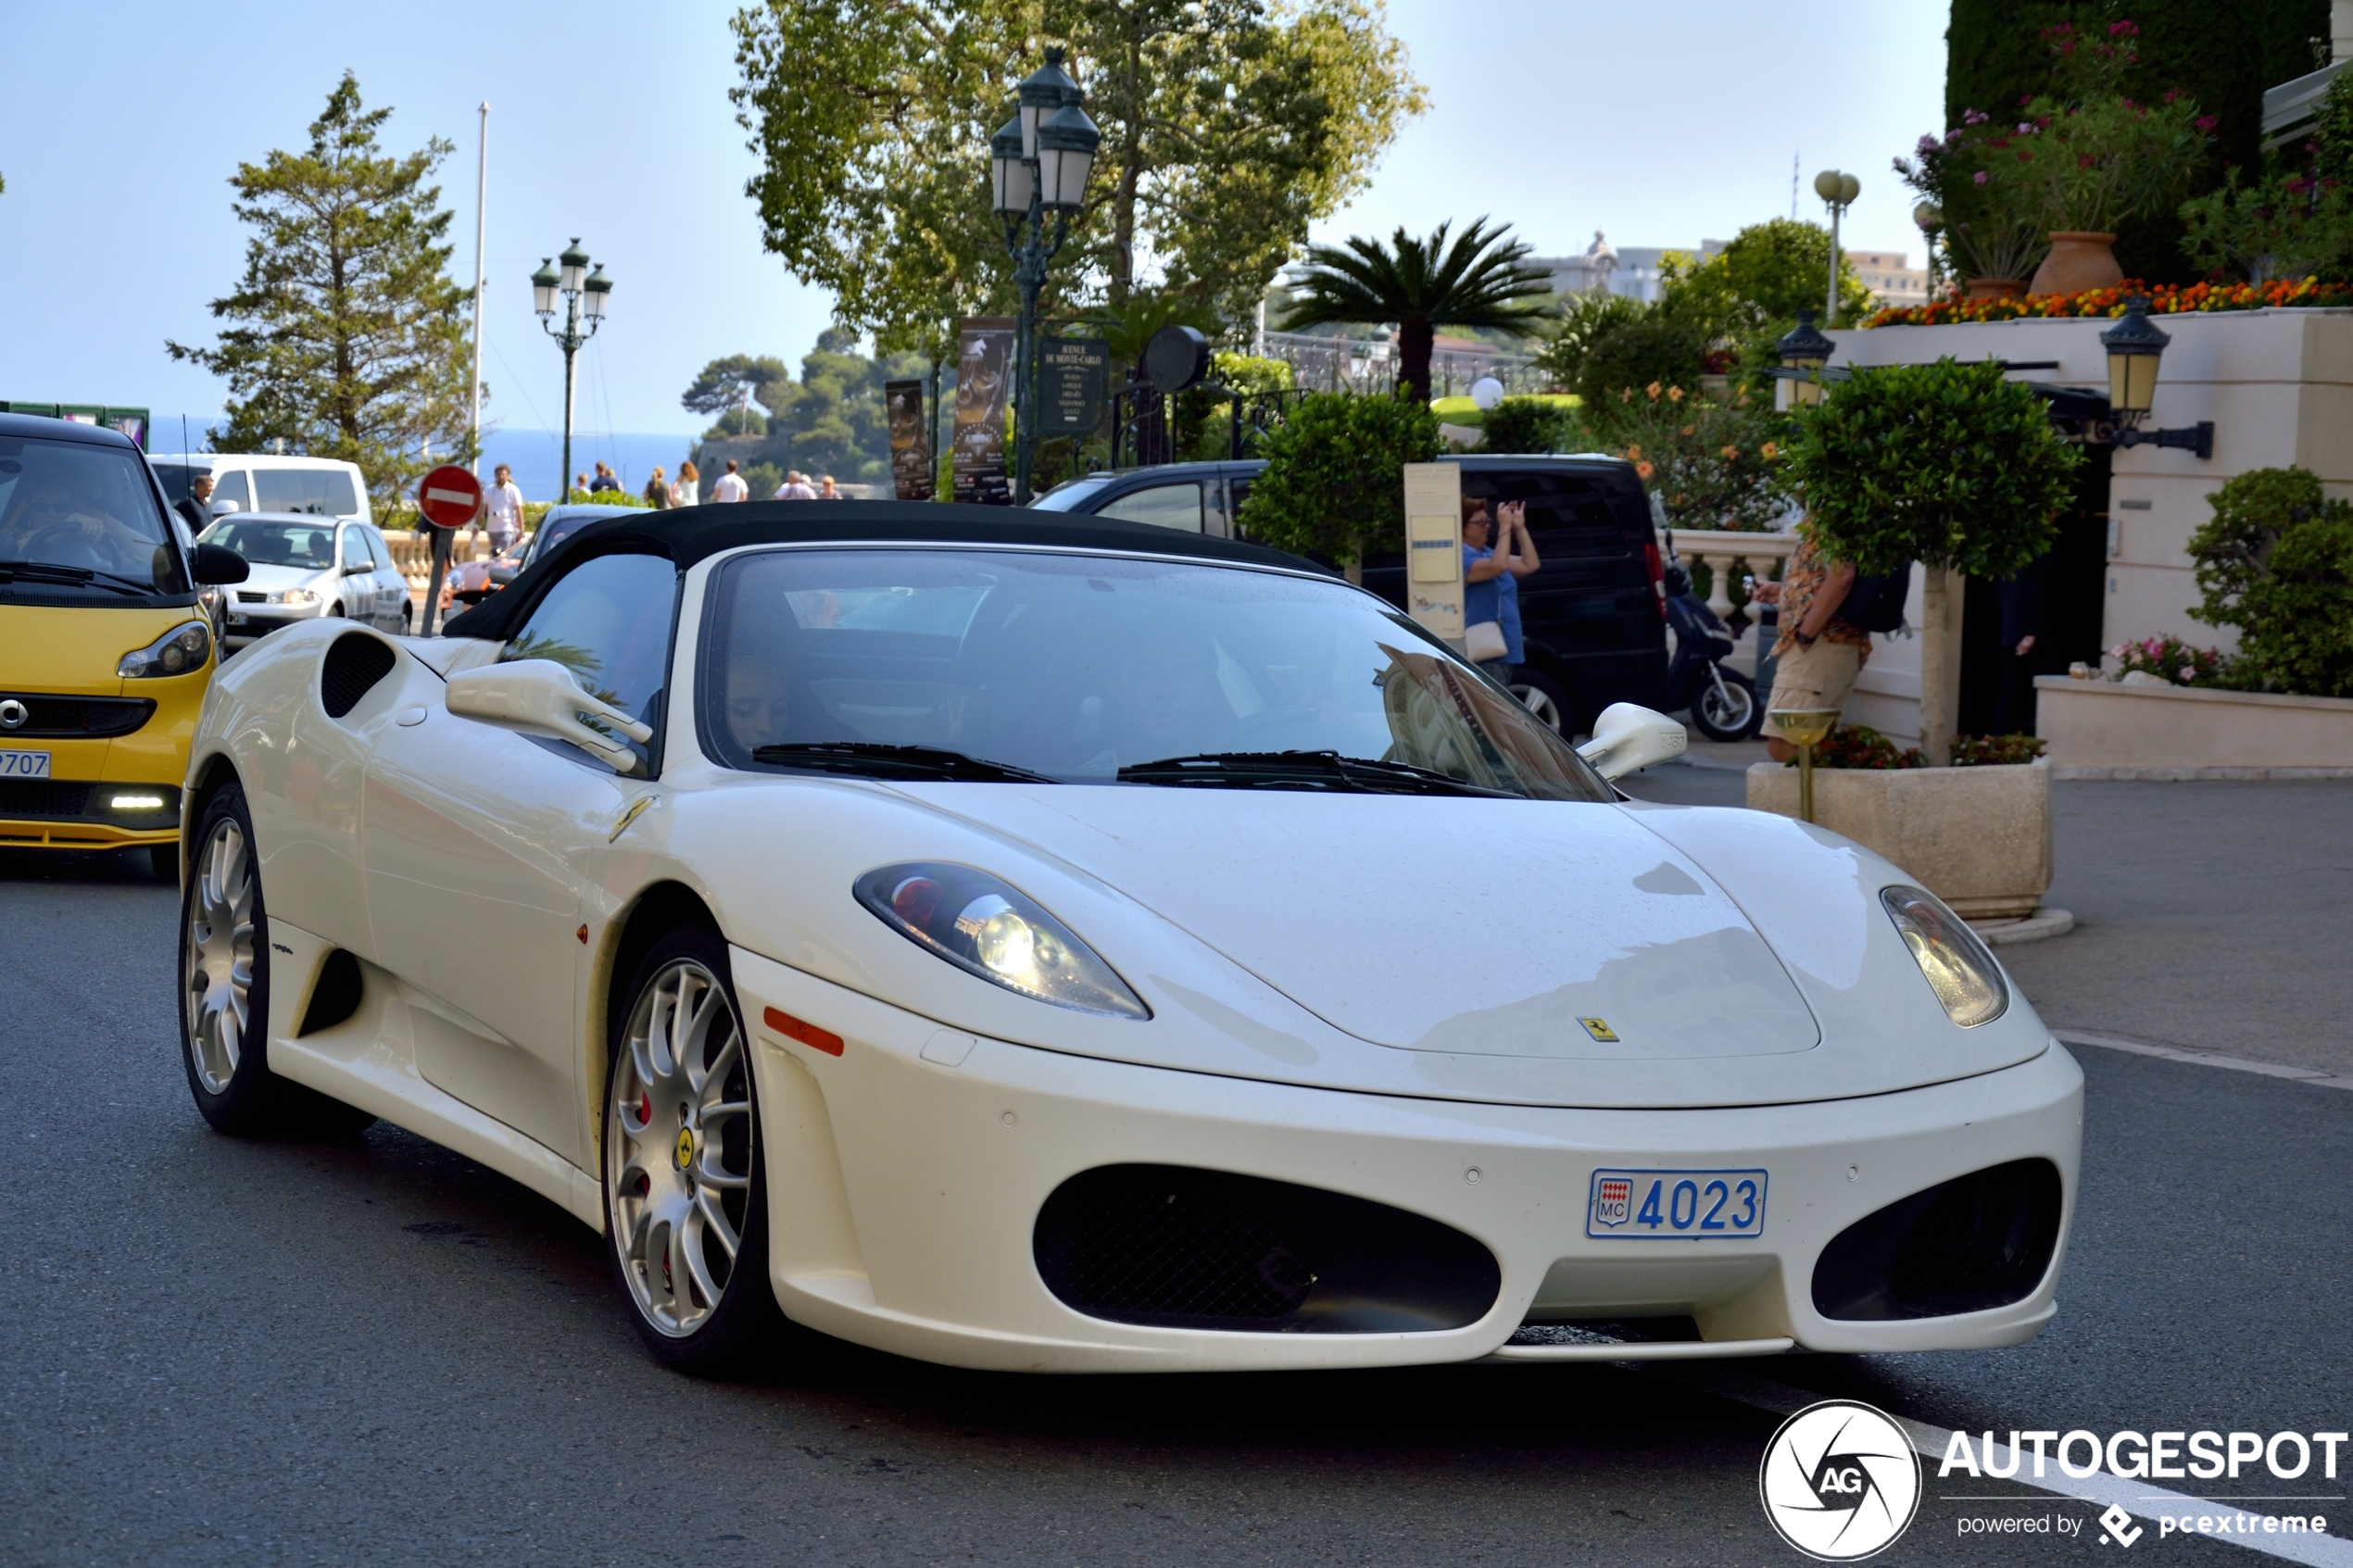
point(449, 496)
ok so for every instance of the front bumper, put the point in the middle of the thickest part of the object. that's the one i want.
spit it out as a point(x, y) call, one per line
point(904, 1193)
point(243, 623)
point(77, 814)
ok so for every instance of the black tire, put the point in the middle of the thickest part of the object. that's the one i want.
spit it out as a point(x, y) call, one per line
point(234, 1089)
point(1732, 714)
point(1547, 699)
point(165, 859)
point(408, 617)
point(743, 1329)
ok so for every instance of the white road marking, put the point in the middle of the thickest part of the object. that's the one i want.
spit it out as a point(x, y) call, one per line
point(1932, 1443)
point(2206, 1058)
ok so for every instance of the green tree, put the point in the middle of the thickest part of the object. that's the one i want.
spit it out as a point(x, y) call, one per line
point(1764, 277)
point(1947, 464)
point(1228, 126)
point(730, 382)
point(1335, 476)
point(2276, 561)
point(1530, 424)
point(1582, 320)
point(348, 338)
point(1478, 281)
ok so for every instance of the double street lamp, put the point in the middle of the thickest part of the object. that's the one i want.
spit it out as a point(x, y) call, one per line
point(1038, 167)
point(583, 293)
point(1837, 191)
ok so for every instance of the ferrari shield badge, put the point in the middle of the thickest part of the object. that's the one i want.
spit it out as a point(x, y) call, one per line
point(1600, 1030)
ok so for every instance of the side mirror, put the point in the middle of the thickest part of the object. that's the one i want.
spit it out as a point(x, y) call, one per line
point(354, 568)
point(216, 564)
point(221, 509)
point(1626, 737)
point(539, 697)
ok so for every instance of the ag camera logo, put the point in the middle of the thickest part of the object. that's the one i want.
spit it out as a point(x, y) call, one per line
point(1840, 1481)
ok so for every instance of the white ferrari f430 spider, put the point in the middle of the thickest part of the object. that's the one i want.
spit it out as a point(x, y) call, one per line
point(1029, 942)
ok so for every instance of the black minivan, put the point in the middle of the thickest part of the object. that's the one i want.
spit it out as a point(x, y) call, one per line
point(1592, 619)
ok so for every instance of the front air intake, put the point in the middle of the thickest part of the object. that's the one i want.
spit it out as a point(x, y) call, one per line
point(1974, 1243)
point(1170, 1246)
point(350, 671)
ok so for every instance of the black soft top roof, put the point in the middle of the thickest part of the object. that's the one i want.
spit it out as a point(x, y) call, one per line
point(695, 533)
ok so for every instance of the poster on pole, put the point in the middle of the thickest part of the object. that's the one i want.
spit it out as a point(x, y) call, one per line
point(1434, 548)
point(983, 394)
point(911, 464)
point(1074, 382)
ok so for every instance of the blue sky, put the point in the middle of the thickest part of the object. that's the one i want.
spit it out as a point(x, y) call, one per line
point(1664, 122)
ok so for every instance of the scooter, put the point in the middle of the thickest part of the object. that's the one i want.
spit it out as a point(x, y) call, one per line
point(1722, 702)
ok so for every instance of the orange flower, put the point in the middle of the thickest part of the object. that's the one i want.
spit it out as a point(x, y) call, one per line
point(1643, 470)
point(1690, 429)
point(1728, 452)
point(1653, 389)
point(1634, 453)
point(1674, 395)
point(1768, 450)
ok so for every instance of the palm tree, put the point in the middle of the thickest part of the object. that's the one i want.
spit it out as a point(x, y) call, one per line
point(1421, 285)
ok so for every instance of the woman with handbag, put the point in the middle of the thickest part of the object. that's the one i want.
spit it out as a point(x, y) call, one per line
point(1490, 583)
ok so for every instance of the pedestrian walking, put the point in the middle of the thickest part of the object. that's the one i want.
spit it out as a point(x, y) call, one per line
point(687, 492)
point(795, 487)
point(731, 486)
point(658, 490)
point(1818, 655)
point(2022, 601)
point(197, 504)
point(826, 491)
point(580, 484)
point(603, 481)
point(503, 509)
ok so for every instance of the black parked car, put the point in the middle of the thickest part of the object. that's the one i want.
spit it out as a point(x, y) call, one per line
point(1593, 618)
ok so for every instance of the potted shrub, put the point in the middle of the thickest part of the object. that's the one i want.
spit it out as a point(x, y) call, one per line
point(1335, 478)
point(1994, 241)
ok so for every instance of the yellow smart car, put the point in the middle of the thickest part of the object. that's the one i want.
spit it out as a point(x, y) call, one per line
point(104, 653)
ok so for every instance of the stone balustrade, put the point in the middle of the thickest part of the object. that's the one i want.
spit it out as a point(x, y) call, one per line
point(1726, 554)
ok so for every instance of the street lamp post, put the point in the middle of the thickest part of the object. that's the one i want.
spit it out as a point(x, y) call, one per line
point(1930, 220)
point(583, 293)
point(1839, 191)
point(1038, 163)
point(2135, 345)
point(1803, 352)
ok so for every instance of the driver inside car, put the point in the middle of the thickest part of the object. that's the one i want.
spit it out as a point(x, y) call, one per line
point(48, 522)
point(1161, 700)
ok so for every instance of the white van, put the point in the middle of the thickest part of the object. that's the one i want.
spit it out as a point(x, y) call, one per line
point(262, 482)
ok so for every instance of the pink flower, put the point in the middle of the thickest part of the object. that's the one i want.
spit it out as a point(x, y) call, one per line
point(1972, 117)
point(2188, 674)
point(2206, 122)
point(1981, 177)
point(2026, 128)
point(2123, 29)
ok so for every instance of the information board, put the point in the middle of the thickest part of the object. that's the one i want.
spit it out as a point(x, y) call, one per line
point(1434, 548)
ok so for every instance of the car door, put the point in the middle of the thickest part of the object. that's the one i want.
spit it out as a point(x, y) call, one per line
point(480, 843)
point(392, 589)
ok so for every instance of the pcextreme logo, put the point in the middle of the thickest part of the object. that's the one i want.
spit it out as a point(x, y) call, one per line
point(1840, 1481)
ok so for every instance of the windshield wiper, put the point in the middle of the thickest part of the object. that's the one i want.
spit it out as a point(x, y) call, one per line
point(881, 759)
point(1295, 769)
point(77, 576)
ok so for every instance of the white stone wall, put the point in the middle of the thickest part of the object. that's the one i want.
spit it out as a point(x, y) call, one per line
point(2277, 385)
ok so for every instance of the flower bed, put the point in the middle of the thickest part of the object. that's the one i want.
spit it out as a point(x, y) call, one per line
point(2164, 299)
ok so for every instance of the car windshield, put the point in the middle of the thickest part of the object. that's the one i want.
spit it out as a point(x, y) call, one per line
point(991, 665)
point(77, 516)
point(268, 542)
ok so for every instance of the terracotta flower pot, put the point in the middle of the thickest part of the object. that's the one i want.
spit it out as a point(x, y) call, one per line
point(2080, 259)
point(1995, 288)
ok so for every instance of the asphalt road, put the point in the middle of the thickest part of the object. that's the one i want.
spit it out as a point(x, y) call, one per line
point(373, 1351)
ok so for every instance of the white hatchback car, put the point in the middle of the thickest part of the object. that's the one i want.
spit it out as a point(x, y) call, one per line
point(308, 568)
point(1050, 943)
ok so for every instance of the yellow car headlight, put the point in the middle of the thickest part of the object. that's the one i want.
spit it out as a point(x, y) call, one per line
point(1959, 969)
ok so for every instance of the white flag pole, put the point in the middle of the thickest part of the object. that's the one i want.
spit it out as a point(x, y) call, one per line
point(482, 198)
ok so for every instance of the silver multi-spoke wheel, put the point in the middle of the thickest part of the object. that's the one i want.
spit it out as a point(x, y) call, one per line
point(678, 1162)
point(218, 990)
point(1539, 702)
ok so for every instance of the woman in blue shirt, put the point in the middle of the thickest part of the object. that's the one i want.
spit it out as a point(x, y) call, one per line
point(1491, 576)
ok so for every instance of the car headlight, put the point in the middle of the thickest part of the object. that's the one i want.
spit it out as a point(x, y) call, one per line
point(175, 652)
point(985, 924)
point(292, 596)
point(1959, 970)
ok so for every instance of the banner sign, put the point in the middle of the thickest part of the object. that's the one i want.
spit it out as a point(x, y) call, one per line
point(911, 464)
point(984, 393)
point(1074, 383)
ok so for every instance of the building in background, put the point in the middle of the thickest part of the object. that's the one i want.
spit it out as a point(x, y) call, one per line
point(1632, 271)
point(1889, 276)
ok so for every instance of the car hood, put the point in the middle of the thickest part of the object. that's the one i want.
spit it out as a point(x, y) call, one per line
point(1438, 948)
point(1483, 927)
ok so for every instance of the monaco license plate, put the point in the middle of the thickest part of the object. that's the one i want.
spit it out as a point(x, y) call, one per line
point(1676, 1205)
point(24, 764)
